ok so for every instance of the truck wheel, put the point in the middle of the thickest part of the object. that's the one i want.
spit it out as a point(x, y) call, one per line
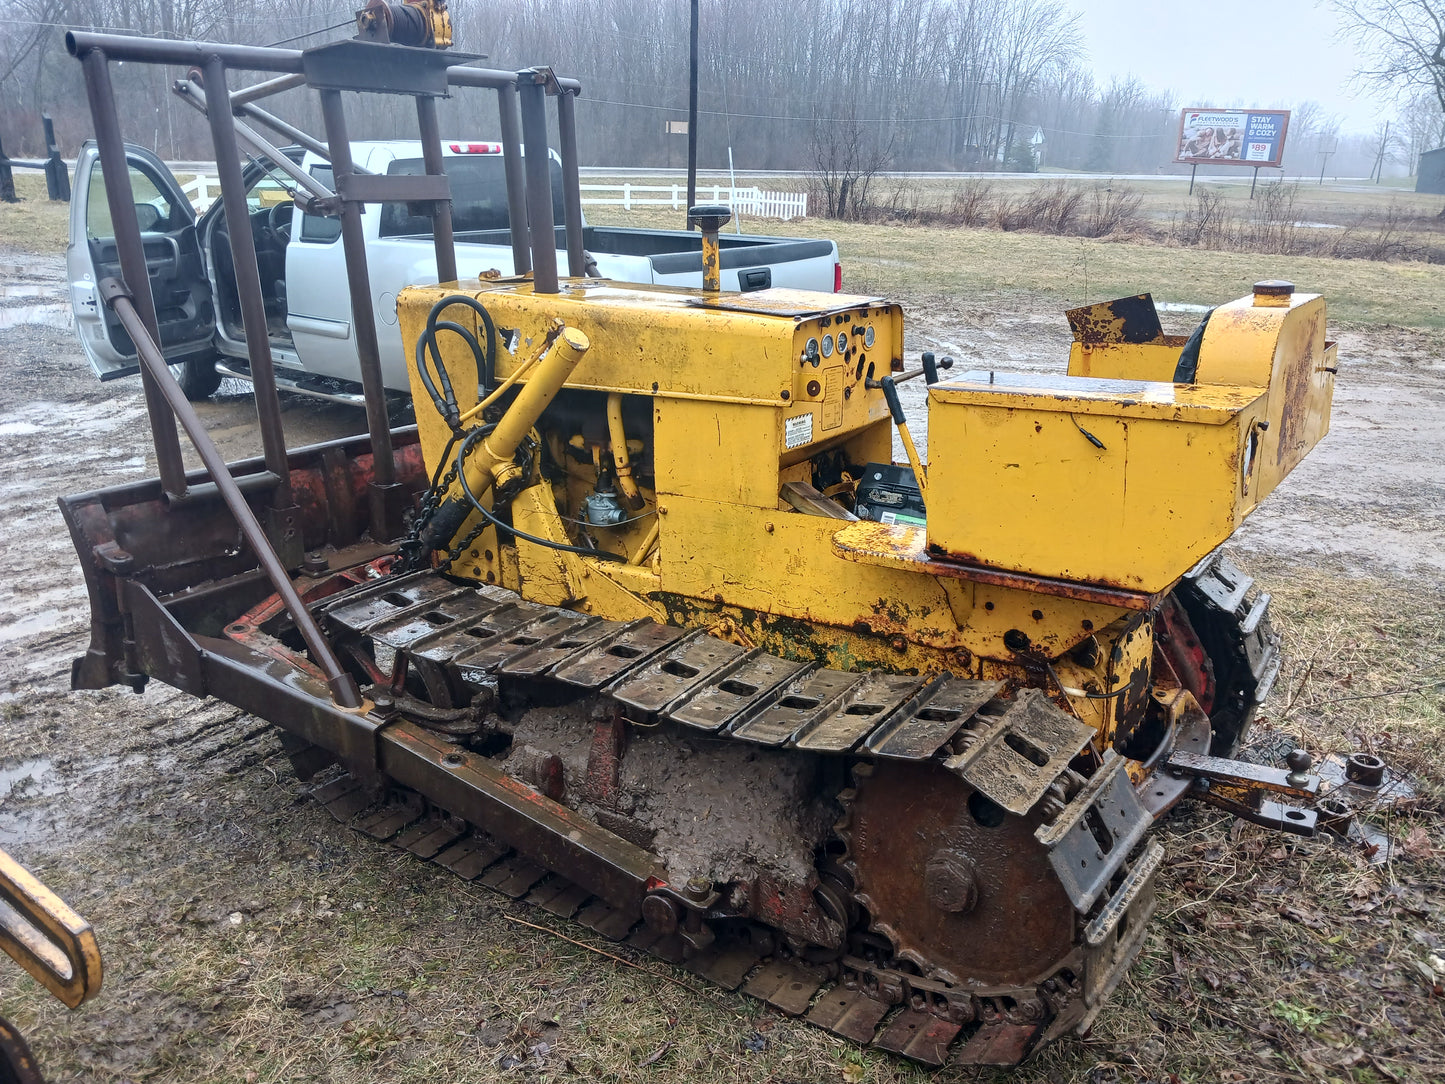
point(197, 378)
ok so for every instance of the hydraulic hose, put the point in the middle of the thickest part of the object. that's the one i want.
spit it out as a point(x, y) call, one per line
point(444, 399)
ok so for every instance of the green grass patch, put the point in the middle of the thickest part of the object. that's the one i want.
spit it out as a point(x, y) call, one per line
point(35, 225)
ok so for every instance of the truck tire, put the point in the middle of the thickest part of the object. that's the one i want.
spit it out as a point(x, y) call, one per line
point(197, 377)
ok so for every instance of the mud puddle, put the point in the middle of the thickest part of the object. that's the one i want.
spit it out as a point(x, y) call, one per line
point(58, 315)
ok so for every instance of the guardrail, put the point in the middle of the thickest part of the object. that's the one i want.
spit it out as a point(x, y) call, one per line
point(743, 201)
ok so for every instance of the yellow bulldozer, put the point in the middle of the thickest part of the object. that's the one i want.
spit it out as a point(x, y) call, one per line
point(643, 623)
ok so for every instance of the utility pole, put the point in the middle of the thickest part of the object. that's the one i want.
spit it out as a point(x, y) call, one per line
point(1325, 158)
point(1379, 171)
point(692, 117)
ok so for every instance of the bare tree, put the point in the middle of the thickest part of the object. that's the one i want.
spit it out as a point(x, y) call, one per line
point(1405, 41)
point(847, 156)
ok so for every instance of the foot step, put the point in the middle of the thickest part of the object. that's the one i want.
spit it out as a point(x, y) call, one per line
point(559, 897)
point(665, 946)
point(514, 876)
point(727, 967)
point(343, 797)
point(387, 821)
point(429, 837)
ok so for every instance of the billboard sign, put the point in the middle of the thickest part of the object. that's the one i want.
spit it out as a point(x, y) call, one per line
point(1232, 137)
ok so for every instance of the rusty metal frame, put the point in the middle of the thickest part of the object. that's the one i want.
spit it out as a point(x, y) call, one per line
point(277, 546)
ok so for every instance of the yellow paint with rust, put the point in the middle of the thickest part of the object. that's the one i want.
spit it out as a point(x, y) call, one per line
point(1126, 361)
point(1110, 488)
point(1127, 482)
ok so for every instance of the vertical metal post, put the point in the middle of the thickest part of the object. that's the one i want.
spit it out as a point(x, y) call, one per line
point(692, 114)
point(539, 184)
point(1193, 169)
point(121, 199)
point(57, 176)
point(441, 211)
point(571, 183)
point(516, 180)
point(248, 275)
point(363, 322)
point(7, 180)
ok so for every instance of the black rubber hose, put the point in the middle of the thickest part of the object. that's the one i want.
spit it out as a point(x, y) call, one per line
point(486, 360)
point(445, 401)
point(486, 512)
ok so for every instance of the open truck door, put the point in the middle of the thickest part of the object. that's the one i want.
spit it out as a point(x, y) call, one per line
point(184, 309)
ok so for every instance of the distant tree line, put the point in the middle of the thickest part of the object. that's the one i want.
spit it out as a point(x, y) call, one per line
point(905, 84)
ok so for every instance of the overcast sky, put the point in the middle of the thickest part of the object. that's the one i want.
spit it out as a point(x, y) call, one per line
point(1225, 52)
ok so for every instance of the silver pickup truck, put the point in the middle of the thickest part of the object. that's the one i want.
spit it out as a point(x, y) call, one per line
point(303, 270)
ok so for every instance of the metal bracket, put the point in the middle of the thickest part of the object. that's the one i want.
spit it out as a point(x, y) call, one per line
point(1239, 787)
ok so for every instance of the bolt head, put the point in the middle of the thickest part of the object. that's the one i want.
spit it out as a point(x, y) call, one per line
point(950, 882)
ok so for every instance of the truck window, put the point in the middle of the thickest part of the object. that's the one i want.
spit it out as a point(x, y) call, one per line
point(316, 228)
point(155, 210)
point(479, 196)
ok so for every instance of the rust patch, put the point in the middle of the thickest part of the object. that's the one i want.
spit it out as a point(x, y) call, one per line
point(1294, 418)
point(1124, 320)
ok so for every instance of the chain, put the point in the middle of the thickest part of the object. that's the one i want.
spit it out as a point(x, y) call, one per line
point(432, 499)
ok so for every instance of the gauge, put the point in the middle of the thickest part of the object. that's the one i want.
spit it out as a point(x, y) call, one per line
point(842, 342)
point(828, 345)
point(868, 336)
point(810, 351)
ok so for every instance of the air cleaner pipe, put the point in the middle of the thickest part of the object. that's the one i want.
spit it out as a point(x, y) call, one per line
point(539, 182)
point(620, 461)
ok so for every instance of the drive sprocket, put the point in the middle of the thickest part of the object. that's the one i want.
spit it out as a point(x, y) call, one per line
point(959, 887)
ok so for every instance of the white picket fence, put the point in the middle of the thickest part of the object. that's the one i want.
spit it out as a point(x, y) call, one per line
point(743, 201)
point(202, 191)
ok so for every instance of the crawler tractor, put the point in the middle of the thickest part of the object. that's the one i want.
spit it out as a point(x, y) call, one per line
point(641, 621)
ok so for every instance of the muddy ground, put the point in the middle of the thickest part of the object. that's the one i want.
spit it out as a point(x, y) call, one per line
point(248, 937)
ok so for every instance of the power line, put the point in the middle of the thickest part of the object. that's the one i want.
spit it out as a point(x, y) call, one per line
point(879, 120)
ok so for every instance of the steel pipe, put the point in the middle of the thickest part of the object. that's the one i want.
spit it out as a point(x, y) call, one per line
point(344, 691)
point(516, 179)
point(193, 94)
point(358, 280)
point(441, 210)
point(121, 198)
point(192, 54)
point(290, 131)
point(265, 89)
point(571, 184)
point(248, 275)
point(539, 184)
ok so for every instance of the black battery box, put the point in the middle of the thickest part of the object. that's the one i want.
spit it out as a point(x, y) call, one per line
point(889, 494)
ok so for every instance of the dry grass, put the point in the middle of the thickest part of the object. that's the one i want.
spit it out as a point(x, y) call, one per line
point(988, 267)
point(1001, 269)
point(34, 225)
